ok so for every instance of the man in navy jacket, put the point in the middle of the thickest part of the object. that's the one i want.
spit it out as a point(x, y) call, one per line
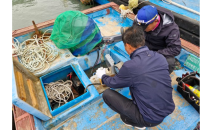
point(147, 77)
point(161, 32)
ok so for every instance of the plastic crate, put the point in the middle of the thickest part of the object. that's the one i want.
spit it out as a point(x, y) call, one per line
point(61, 74)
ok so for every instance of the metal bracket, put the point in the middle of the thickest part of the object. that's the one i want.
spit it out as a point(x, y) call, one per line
point(112, 39)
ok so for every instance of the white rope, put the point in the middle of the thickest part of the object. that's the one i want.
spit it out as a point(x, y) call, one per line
point(59, 91)
point(35, 54)
point(48, 37)
point(181, 6)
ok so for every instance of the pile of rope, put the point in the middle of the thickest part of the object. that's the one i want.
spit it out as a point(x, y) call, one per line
point(35, 53)
point(59, 91)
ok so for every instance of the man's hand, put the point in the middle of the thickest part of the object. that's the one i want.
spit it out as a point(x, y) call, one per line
point(100, 72)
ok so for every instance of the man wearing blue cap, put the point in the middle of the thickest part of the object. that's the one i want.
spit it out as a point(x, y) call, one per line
point(161, 32)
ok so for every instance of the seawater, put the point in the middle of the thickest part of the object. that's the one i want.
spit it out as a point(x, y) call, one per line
point(24, 11)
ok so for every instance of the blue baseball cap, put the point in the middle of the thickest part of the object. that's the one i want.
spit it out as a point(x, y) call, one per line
point(146, 15)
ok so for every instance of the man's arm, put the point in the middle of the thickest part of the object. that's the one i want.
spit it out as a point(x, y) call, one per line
point(173, 44)
point(120, 80)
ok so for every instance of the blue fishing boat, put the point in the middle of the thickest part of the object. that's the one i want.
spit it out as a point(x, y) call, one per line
point(88, 110)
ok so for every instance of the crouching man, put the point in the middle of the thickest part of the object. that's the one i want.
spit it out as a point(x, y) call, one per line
point(147, 77)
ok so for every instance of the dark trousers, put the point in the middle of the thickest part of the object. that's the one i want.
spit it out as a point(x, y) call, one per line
point(126, 108)
point(171, 63)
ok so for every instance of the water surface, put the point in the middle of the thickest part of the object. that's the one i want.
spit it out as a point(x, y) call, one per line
point(24, 11)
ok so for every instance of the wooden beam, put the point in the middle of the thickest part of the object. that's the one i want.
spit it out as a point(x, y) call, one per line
point(20, 85)
point(32, 94)
point(24, 70)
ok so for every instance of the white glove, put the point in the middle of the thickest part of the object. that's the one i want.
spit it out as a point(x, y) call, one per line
point(100, 72)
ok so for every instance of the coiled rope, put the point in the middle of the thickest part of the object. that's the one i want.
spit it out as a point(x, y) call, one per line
point(59, 91)
point(35, 53)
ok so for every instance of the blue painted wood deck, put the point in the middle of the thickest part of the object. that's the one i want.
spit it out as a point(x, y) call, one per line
point(95, 114)
point(98, 116)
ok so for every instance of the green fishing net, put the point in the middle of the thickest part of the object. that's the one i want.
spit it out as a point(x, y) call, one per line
point(76, 31)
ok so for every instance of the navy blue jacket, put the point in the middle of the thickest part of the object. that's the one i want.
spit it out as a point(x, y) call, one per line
point(148, 78)
point(165, 39)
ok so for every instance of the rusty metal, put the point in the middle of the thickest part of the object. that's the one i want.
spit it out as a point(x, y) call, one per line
point(36, 29)
point(108, 11)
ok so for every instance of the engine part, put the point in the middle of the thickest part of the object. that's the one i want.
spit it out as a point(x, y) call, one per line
point(110, 63)
point(112, 39)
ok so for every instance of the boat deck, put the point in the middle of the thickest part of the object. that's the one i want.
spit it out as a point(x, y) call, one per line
point(96, 114)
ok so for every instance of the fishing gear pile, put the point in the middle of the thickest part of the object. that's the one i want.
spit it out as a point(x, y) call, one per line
point(75, 31)
point(35, 54)
point(59, 91)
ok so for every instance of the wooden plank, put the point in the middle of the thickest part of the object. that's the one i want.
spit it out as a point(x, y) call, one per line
point(32, 94)
point(24, 70)
point(23, 120)
point(190, 47)
point(20, 85)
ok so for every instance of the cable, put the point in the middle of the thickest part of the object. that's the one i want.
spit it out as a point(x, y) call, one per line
point(90, 85)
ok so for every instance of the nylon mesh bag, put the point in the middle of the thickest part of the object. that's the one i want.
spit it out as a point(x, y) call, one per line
point(73, 30)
